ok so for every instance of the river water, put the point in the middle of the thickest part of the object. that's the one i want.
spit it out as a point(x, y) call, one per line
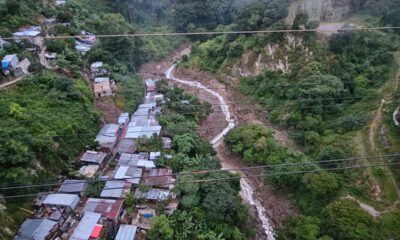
point(246, 191)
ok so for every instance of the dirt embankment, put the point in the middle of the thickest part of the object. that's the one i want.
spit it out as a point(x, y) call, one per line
point(244, 112)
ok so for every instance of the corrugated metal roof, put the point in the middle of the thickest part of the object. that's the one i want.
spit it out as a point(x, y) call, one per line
point(126, 232)
point(108, 208)
point(96, 65)
point(129, 159)
point(115, 189)
point(62, 199)
point(73, 186)
point(109, 130)
point(86, 226)
point(146, 164)
point(37, 229)
point(89, 170)
point(127, 146)
point(125, 172)
point(94, 157)
point(145, 131)
point(159, 176)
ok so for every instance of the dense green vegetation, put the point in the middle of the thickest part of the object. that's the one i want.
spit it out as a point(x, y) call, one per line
point(209, 210)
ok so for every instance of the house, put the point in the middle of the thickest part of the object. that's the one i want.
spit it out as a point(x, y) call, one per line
point(142, 131)
point(59, 215)
point(126, 146)
point(150, 85)
point(97, 69)
point(93, 157)
point(115, 189)
point(171, 207)
point(154, 156)
point(32, 34)
point(167, 142)
point(50, 55)
point(144, 218)
point(88, 227)
point(153, 194)
point(161, 177)
point(74, 186)
point(22, 67)
point(82, 47)
point(37, 229)
point(108, 137)
point(104, 88)
point(123, 119)
point(89, 170)
point(9, 61)
point(87, 38)
point(62, 200)
point(135, 160)
point(126, 232)
point(129, 173)
point(101, 79)
point(108, 208)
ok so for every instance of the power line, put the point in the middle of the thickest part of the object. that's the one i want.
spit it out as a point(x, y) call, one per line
point(201, 172)
point(227, 178)
point(207, 33)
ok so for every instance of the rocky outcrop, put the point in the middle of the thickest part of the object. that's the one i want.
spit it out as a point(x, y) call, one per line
point(323, 10)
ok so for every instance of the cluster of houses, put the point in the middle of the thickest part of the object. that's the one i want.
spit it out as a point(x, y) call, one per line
point(72, 212)
point(103, 85)
point(85, 42)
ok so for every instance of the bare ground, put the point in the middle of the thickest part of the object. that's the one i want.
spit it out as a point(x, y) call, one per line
point(107, 106)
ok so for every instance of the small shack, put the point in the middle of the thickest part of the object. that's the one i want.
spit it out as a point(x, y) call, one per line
point(160, 177)
point(88, 227)
point(116, 189)
point(126, 146)
point(109, 209)
point(129, 173)
point(126, 232)
point(22, 68)
point(38, 229)
point(73, 186)
point(123, 119)
point(9, 61)
point(144, 218)
point(62, 200)
point(167, 142)
point(150, 85)
point(153, 194)
point(94, 157)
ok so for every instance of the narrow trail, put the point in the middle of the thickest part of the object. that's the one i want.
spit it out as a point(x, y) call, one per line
point(7, 84)
point(247, 192)
point(377, 123)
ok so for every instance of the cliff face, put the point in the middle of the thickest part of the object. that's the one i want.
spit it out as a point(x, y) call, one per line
point(323, 10)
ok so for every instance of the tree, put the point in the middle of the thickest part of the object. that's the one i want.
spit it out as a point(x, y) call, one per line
point(322, 185)
point(301, 228)
point(160, 229)
point(344, 220)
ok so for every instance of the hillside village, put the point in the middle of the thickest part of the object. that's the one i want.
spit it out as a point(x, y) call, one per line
point(133, 182)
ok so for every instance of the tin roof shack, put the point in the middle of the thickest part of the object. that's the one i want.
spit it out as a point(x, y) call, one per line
point(97, 69)
point(59, 215)
point(59, 2)
point(104, 88)
point(9, 61)
point(108, 137)
point(145, 132)
point(22, 68)
point(126, 232)
point(167, 142)
point(109, 209)
point(62, 200)
point(31, 34)
point(51, 58)
point(37, 229)
point(144, 218)
point(116, 189)
point(74, 186)
point(160, 177)
point(88, 227)
point(153, 194)
point(129, 173)
point(123, 119)
point(126, 146)
point(89, 170)
point(135, 160)
point(154, 156)
point(150, 85)
point(93, 157)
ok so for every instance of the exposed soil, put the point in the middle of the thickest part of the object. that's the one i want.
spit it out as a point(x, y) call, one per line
point(244, 112)
point(107, 106)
